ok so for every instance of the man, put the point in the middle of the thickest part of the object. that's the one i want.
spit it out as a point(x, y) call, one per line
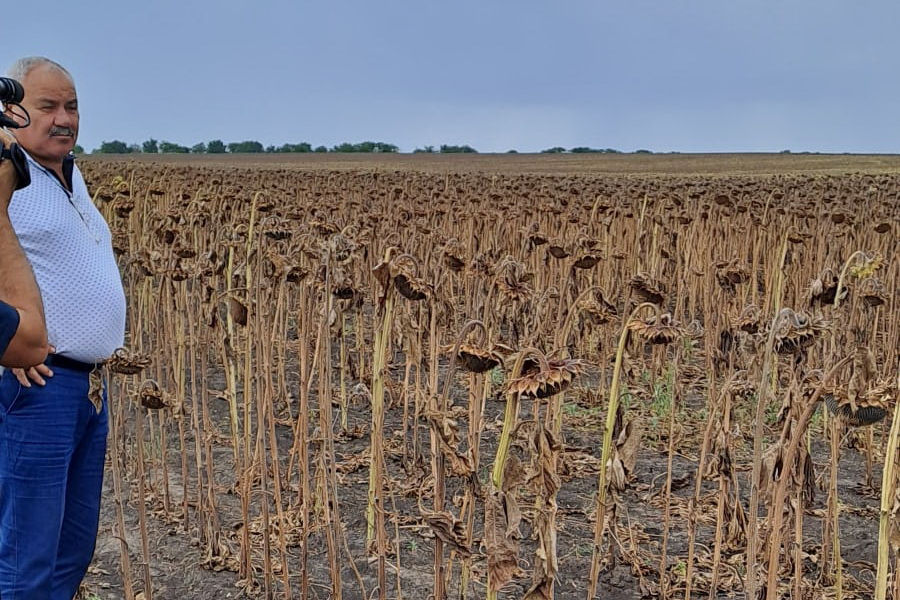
point(23, 334)
point(53, 435)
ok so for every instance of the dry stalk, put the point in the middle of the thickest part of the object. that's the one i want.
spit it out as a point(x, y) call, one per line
point(501, 511)
point(761, 402)
point(602, 484)
point(888, 495)
point(776, 510)
point(120, 496)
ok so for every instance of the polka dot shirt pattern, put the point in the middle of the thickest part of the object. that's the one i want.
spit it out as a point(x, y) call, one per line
point(69, 246)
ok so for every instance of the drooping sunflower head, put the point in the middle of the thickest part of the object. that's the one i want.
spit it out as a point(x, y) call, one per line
point(125, 362)
point(658, 329)
point(541, 378)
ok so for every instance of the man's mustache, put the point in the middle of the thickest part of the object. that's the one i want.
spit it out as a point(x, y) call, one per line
point(62, 131)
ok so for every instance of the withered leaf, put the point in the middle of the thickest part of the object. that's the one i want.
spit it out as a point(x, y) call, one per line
point(501, 515)
point(447, 431)
point(449, 529)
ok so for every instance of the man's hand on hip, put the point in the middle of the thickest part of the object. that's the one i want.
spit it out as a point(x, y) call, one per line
point(35, 373)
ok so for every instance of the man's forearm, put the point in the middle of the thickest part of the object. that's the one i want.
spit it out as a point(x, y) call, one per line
point(19, 289)
point(17, 284)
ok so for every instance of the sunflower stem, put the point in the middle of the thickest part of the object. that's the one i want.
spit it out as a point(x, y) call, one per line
point(888, 485)
point(611, 410)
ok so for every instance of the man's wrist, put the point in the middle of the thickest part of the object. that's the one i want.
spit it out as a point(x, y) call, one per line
point(7, 187)
point(6, 227)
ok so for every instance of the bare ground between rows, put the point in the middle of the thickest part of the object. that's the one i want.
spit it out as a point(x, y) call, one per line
point(176, 556)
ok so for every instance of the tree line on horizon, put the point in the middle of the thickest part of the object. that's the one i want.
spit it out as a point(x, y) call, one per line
point(153, 146)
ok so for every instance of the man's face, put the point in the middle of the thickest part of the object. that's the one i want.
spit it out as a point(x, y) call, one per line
point(51, 101)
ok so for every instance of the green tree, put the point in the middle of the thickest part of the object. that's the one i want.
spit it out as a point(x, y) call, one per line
point(320, 149)
point(425, 150)
point(445, 149)
point(249, 146)
point(365, 147)
point(216, 147)
point(301, 147)
point(554, 150)
point(113, 147)
point(151, 146)
point(198, 148)
point(78, 149)
point(173, 148)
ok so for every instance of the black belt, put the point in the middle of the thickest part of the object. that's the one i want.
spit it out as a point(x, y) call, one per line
point(56, 360)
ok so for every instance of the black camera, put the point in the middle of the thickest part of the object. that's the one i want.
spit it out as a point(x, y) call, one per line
point(11, 94)
point(11, 91)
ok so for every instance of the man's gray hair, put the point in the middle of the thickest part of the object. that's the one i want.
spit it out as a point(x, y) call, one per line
point(22, 67)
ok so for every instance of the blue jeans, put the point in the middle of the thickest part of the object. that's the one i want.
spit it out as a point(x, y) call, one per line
point(52, 450)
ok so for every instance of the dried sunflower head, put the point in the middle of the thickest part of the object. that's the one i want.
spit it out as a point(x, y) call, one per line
point(402, 271)
point(411, 287)
point(695, 330)
point(731, 273)
point(124, 362)
point(475, 359)
point(823, 289)
point(657, 329)
point(120, 241)
point(474, 353)
point(796, 331)
point(275, 228)
point(513, 282)
point(648, 289)
point(482, 266)
point(557, 250)
point(595, 308)
point(860, 401)
point(540, 379)
point(123, 206)
point(324, 228)
point(151, 396)
point(870, 408)
point(454, 252)
point(341, 247)
point(343, 291)
point(534, 235)
point(872, 292)
point(177, 271)
point(749, 319)
point(587, 261)
point(537, 239)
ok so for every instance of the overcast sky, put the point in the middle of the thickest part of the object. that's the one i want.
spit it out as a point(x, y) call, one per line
point(664, 75)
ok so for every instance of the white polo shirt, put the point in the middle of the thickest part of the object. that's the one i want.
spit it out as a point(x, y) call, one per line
point(69, 247)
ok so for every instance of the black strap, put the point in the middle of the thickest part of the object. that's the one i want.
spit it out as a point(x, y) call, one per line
point(9, 323)
point(20, 163)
